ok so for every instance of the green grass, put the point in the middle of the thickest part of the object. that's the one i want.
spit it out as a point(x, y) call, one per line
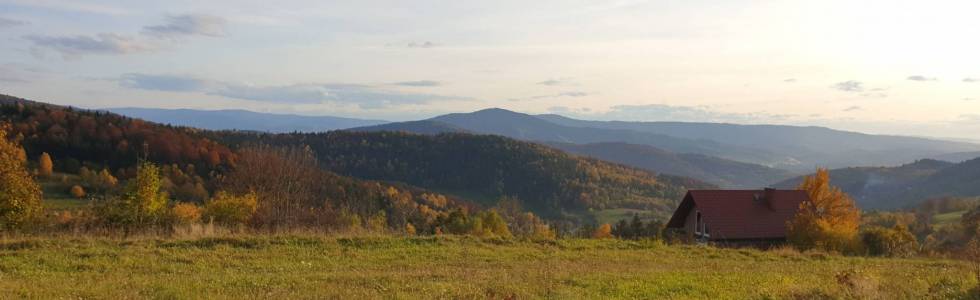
point(56, 196)
point(947, 218)
point(300, 267)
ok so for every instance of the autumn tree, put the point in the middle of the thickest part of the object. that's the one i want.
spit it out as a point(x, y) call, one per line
point(20, 196)
point(603, 232)
point(142, 202)
point(286, 181)
point(77, 191)
point(828, 220)
point(45, 167)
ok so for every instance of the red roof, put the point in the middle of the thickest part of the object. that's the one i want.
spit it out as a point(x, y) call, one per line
point(741, 214)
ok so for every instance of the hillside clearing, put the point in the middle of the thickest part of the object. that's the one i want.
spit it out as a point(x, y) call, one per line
point(449, 267)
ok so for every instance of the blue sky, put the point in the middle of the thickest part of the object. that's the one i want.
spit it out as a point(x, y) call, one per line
point(896, 67)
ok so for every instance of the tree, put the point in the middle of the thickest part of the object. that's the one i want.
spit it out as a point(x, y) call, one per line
point(603, 232)
point(77, 191)
point(20, 196)
point(45, 165)
point(145, 193)
point(286, 180)
point(828, 220)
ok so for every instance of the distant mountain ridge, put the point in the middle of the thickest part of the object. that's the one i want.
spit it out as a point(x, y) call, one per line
point(243, 120)
point(902, 186)
point(719, 171)
point(805, 147)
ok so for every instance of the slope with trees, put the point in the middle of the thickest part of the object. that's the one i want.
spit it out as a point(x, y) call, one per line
point(547, 181)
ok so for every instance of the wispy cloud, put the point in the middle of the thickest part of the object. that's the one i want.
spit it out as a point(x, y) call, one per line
point(425, 44)
point(789, 80)
point(419, 83)
point(363, 96)
point(154, 38)
point(573, 94)
point(970, 80)
point(101, 44)
point(564, 81)
point(663, 112)
point(921, 78)
point(852, 108)
point(170, 83)
point(849, 86)
point(4, 22)
point(188, 25)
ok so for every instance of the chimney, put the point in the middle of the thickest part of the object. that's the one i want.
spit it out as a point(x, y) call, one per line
point(769, 196)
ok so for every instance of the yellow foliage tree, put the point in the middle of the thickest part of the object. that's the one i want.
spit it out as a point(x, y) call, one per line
point(603, 232)
point(229, 209)
point(45, 165)
point(828, 221)
point(20, 196)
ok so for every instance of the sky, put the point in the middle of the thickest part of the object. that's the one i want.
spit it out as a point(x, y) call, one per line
point(889, 67)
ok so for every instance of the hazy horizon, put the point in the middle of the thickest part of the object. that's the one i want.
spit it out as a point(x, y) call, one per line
point(899, 68)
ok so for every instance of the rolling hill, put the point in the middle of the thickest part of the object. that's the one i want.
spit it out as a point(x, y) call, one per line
point(793, 147)
point(906, 185)
point(718, 171)
point(549, 182)
point(242, 120)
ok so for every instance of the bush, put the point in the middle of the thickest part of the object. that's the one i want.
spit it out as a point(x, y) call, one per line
point(896, 241)
point(227, 209)
point(603, 232)
point(77, 191)
point(186, 213)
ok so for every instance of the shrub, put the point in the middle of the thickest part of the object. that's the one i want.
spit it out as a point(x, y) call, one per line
point(77, 191)
point(229, 209)
point(186, 213)
point(603, 232)
point(896, 241)
point(409, 229)
point(44, 165)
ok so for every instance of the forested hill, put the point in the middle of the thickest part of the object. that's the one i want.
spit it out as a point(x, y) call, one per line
point(74, 136)
point(906, 185)
point(483, 167)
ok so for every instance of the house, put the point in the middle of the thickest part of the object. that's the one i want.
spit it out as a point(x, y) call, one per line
point(737, 217)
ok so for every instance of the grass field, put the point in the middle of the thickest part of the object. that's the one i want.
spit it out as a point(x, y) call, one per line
point(297, 267)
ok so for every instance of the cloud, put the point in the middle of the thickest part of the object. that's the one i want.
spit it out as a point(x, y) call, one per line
point(970, 80)
point(187, 25)
point(921, 78)
point(425, 44)
point(19, 73)
point(170, 83)
point(852, 108)
point(101, 44)
point(969, 99)
point(558, 82)
point(662, 112)
point(573, 94)
point(789, 80)
point(363, 96)
point(850, 86)
point(4, 22)
point(419, 83)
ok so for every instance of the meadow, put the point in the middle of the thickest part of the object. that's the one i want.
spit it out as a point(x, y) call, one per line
point(358, 267)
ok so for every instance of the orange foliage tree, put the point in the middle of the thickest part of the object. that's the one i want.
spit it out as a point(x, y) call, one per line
point(828, 220)
point(603, 232)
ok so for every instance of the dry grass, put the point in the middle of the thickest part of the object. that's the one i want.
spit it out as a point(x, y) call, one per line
point(224, 265)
